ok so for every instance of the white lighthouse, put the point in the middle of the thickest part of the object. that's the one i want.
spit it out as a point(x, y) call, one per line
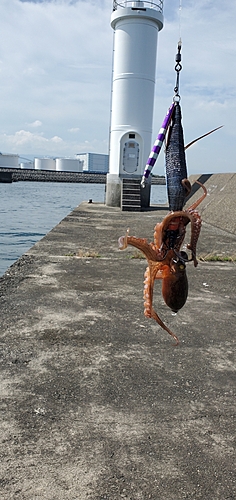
point(136, 25)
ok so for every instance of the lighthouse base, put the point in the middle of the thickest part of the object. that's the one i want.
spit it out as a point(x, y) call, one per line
point(113, 190)
point(127, 193)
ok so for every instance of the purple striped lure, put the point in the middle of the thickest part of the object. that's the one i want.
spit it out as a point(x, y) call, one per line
point(157, 145)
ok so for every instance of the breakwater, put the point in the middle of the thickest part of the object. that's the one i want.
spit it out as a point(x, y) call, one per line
point(219, 207)
point(56, 176)
point(97, 403)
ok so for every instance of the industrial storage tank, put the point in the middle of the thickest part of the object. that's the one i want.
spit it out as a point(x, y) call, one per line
point(9, 160)
point(45, 164)
point(69, 165)
point(27, 165)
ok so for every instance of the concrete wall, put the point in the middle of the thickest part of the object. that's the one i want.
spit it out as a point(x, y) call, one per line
point(219, 207)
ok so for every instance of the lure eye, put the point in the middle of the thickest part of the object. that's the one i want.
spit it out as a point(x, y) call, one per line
point(182, 266)
point(184, 255)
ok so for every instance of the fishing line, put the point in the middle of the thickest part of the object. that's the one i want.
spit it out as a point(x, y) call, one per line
point(180, 19)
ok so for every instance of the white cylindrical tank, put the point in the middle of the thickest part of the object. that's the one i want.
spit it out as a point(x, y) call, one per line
point(136, 26)
point(9, 161)
point(27, 165)
point(45, 164)
point(69, 165)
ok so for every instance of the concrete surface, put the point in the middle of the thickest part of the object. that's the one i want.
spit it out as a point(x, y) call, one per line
point(96, 402)
point(219, 207)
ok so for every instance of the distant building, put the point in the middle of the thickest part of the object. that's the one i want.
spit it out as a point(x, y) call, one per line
point(81, 162)
point(9, 160)
point(94, 162)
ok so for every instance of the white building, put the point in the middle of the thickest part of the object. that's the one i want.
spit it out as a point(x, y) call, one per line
point(9, 160)
point(94, 162)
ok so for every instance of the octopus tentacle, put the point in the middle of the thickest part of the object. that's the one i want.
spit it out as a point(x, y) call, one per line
point(123, 240)
point(195, 205)
point(155, 316)
point(195, 235)
point(149, 312)
point(148, 250)
point(148, 293)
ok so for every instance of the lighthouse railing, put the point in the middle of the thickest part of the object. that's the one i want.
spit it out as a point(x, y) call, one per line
point(143, 4)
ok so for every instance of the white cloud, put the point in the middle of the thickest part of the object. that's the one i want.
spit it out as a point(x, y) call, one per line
point(35, 124)
point(56, 61)
point(25, 139)
point(74, 130)
point(57, 139)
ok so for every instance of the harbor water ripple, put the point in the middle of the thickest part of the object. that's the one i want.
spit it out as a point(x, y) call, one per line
point(29, 210)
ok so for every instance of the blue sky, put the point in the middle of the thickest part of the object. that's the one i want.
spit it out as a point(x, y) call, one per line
point(55, 77)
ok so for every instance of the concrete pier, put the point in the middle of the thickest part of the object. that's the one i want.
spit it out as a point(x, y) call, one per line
point(96, 403)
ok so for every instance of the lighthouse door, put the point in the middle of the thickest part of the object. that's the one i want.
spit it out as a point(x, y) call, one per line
point(130, 157)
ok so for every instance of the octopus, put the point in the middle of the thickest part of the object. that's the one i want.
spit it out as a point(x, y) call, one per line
point(166, 261)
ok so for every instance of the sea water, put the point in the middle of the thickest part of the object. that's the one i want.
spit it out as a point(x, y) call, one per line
point(28, 210)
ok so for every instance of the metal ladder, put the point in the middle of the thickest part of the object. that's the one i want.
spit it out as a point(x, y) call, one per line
point(130, 198)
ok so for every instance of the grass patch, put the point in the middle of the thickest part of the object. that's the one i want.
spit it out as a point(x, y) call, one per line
point(87, 254)
point(218, 258)
point(207, 258)
point(84, 254)
point(137, 255)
